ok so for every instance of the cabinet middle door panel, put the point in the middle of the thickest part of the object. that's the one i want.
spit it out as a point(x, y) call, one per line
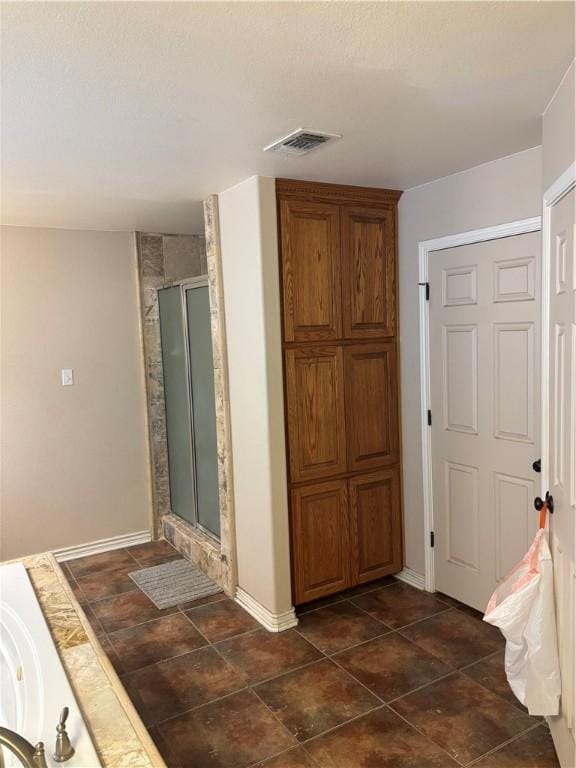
point(311, 271)
point(371, 405)
point(315, 409)
point(320, 540)
point(368, 272)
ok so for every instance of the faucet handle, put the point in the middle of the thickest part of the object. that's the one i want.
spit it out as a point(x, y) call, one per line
point(39, 755)
point(64, 749)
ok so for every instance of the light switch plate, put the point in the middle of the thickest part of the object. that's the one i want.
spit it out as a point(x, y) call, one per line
point(67, 377)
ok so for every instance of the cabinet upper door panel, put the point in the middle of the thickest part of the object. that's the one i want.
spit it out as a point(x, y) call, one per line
point(320, 540)
point(368, 272)
point(371, 405)
point(311, 271)
point(315, 409)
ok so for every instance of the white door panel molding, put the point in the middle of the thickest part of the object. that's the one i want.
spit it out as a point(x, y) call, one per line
point(559, 434)
point(514, 280)
point(514, 377)
point(486, 313)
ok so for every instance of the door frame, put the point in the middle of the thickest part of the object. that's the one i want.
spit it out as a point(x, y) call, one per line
point(564, 184)
point(555, 192)
point(184, 284)
point(426, 249)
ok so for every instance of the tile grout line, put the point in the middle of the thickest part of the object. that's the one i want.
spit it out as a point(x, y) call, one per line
point(177, 608)
point(140, 623)
point(276, 718)
point(342, 599)
point(359, 682)
point(325, 654)
point(390, 630)
point(425, 736)
point(160, 661)
point(224, 639)
point(503, 745)
point(247, 687)
point(360, 644)
point(516, 704)
point(211, 602)
point(390, 702)
point(330, 656)
point(476, 759)
point(174, 763)
point(110, 597)
point(373, 616)
point(342, 725)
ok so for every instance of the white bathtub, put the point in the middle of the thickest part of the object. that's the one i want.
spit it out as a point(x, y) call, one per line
point(33, 685)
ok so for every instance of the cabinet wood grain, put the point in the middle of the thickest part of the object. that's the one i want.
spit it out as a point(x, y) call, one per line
point(375, 525)
point(338, 271)
point(310, 245)
point(371, 387)
point(315, 411)
point(320, 540)
point(369, 272)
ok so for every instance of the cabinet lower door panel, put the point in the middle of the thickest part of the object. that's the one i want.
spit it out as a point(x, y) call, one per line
point(320, 540)
point(375, 525)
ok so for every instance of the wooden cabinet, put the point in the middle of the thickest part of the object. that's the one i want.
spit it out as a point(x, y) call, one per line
point(371, 386)
point(320, 540)
point(338, 269)
point(375, 525)
point(310, 235)
point(315, 411)
point(369, 274)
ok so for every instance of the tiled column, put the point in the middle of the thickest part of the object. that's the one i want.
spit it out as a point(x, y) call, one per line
point(225, 478)
point(151, 276)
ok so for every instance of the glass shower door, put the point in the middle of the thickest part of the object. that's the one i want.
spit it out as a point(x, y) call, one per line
point(203, 407)
point(177, 398)
point(190, 405)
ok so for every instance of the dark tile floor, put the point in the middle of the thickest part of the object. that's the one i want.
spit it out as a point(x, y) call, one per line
point(384, 676)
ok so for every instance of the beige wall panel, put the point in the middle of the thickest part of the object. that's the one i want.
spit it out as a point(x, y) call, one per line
point(74, 459)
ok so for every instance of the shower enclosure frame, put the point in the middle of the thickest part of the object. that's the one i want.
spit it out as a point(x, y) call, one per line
point(184, 285)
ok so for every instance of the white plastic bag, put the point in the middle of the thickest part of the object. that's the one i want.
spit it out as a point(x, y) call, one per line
point(523, 608)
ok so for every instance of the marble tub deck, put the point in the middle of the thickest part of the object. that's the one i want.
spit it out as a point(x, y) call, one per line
point(118, 735)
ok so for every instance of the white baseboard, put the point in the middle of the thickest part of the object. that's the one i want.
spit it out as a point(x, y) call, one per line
point(411, 577)
point(273, 622)
point(103, 545)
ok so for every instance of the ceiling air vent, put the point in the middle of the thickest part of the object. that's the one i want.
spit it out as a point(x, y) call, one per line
point(301, 142)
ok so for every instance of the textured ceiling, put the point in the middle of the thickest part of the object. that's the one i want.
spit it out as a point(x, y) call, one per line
point(126, 115)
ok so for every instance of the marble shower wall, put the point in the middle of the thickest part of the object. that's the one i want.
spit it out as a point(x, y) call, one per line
point(163, 260)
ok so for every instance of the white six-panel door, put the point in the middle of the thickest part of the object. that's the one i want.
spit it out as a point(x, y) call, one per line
point(561, 473)
point(485, 402)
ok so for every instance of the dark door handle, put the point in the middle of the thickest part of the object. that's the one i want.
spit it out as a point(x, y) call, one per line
point(537, 465)
point(547, 502)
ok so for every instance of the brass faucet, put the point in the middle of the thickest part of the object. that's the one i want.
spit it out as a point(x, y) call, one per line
point(29, 756)
point(64, 750)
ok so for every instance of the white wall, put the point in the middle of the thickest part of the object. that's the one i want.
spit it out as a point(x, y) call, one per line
point(248, 234)
point(559, 130)
point(74, 459)
point(497, 192)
